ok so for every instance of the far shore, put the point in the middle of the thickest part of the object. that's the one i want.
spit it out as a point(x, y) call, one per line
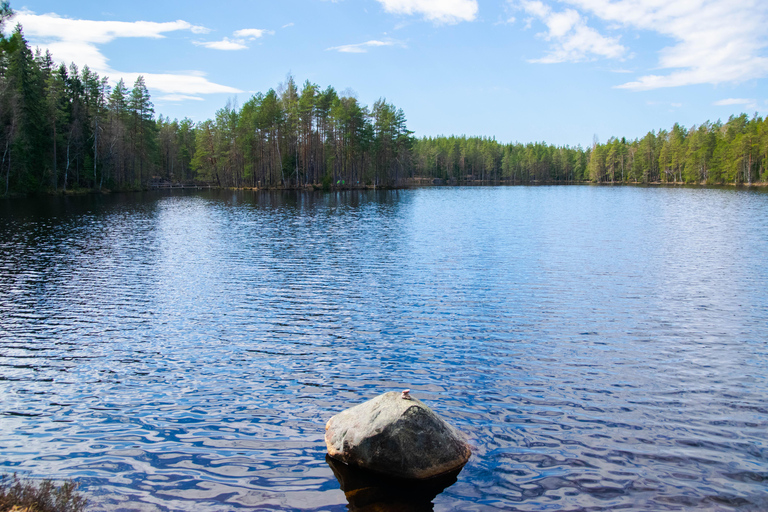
point(408, 184)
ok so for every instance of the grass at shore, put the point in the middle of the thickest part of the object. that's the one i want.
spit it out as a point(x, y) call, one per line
point(21, 495)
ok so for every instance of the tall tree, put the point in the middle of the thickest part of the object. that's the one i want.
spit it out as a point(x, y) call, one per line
point(141, 112)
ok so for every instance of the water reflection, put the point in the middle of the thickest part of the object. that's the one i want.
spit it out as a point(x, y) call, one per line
point(603, 348)
point(366, 491)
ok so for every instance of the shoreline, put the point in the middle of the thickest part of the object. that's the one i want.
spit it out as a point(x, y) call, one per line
point(420, 183)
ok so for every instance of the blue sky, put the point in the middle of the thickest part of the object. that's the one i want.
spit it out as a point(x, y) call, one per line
point(518, 70)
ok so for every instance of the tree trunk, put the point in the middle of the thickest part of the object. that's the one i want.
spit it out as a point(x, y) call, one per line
point(55, 171)
point(95, 151)
point(66, 169)
point(8, 172)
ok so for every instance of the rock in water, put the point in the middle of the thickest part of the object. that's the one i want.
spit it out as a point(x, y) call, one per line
point(367, 491)
point(396, 435)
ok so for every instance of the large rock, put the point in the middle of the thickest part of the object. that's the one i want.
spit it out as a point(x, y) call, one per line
point(396, 435)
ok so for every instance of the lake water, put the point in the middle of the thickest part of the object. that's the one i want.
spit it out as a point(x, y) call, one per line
point(602, 348)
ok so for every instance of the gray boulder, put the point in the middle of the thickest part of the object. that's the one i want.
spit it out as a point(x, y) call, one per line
point(396, 435)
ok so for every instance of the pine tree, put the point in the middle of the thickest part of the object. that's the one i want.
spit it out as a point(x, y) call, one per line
point(141, 112)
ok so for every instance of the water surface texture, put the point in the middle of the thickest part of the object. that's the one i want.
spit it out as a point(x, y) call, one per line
point(602, 348)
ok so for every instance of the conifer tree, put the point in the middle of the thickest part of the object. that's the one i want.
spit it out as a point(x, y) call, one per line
point(141, 112)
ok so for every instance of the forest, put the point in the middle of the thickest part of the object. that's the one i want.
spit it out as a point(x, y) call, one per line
point(68, 129)
point(735, 152)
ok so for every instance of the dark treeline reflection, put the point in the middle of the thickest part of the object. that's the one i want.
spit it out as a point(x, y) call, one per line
point(64, 128)
point(80, 208)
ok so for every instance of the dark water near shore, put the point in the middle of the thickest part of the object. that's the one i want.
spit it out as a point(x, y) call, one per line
point(602, 348)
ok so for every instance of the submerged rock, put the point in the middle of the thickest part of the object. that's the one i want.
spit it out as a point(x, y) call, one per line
point(367, 491)
point(396, 435)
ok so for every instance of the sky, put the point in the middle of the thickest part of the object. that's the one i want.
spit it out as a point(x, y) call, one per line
point(562, 72)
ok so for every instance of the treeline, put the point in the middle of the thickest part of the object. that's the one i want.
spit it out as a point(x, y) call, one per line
point(712, 153)
point(735, 152)
point(62, 128)
point(297, 137)
point(472, 159)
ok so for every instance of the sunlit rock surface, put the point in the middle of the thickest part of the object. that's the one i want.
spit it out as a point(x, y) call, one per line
point(396, 436)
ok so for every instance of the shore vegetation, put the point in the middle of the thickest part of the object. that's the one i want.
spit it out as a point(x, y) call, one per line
point(65, 129)
point(23, 495)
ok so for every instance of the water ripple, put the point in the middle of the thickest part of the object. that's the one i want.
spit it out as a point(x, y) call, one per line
point(602, 348)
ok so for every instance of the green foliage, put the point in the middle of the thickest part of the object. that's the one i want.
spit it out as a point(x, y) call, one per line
point(485, 160)
point(63, 128)
point(296, 138)
point(735, 152)
point(6, 13)
point(43, 496)
point(327, 181)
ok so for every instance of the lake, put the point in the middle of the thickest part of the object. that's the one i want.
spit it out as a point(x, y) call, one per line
point(601, 347)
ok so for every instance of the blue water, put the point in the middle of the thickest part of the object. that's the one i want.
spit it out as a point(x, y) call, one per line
point(601, 348)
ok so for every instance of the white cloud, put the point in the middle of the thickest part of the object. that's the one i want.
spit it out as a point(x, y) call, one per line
point(437, 11)
point(670, 106)
point(715, 41)
point(746, 102)
point(238, 43)
point(76, 40)
point(251, 33)
point(570, 38)
point(97, 32)
point(72, 40)
point(175, 98)
point(509, 20)
point(287, 25)
point(224, 44)
point(360, 47)
point(180, 83)
point(81, 53)
point(733, 101)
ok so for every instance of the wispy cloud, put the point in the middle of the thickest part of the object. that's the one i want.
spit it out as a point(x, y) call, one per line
point(360, 47)
point(190, 83)
point(79, 41)
point(175, 98)
point(437, 11)
point(733, 101)
point(670, 106)
point(746, 102)
point(716, 41)
point(239, 41)
point(509, 20)
point(570, 38)
point(92, 31)
point(76, 40)
point(251, 33)
point(224, 44)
